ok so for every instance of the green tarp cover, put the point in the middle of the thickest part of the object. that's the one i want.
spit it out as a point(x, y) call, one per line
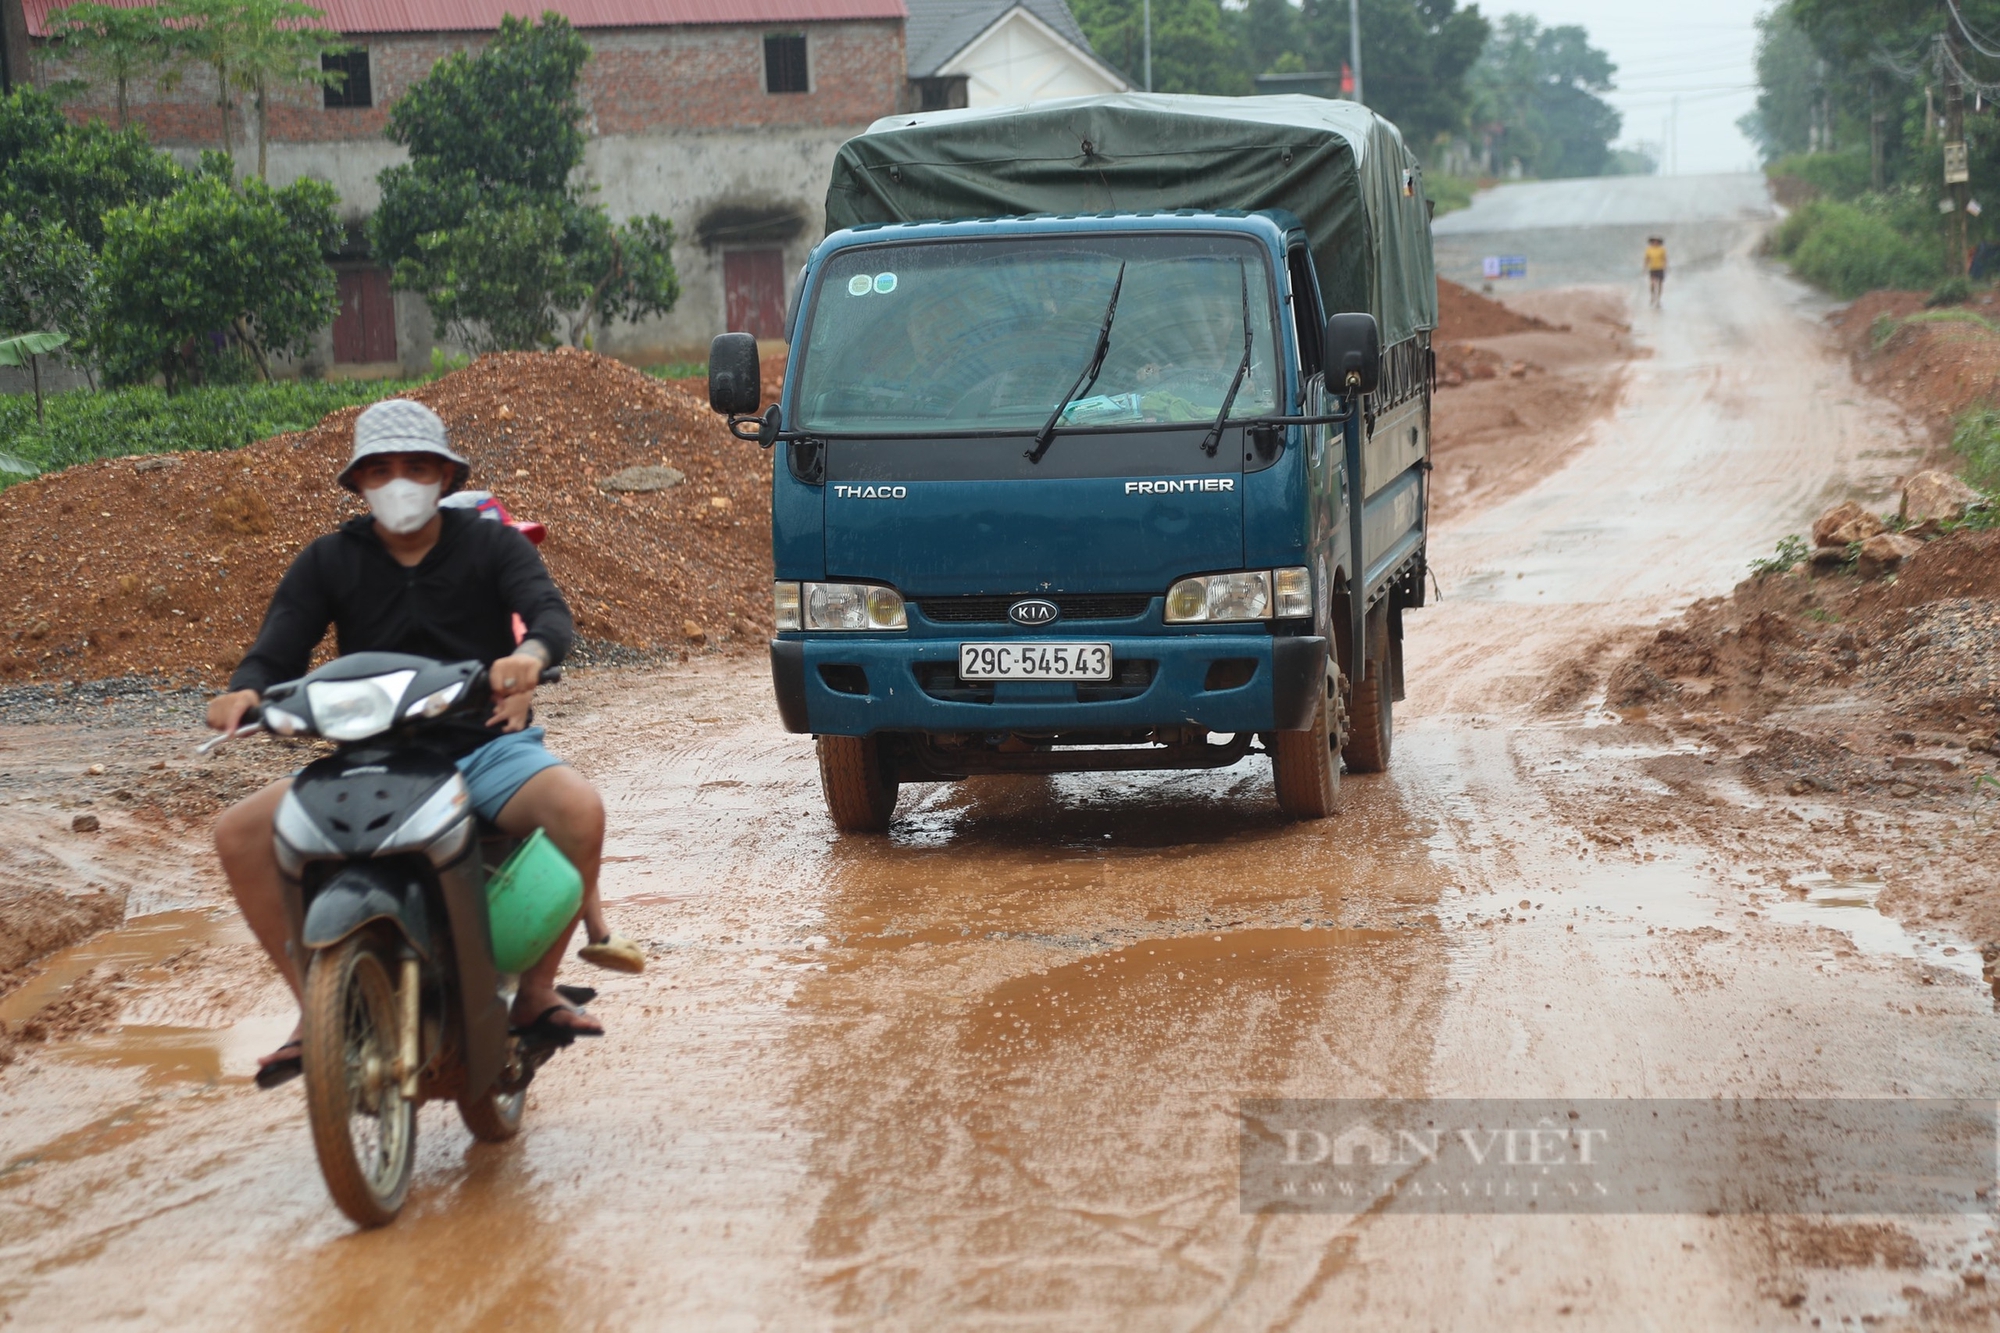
point(1339, 168)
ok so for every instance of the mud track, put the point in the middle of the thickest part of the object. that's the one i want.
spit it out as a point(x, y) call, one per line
point(985, 1072)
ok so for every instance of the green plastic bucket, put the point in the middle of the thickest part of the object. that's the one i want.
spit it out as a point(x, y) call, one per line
point(530, 900)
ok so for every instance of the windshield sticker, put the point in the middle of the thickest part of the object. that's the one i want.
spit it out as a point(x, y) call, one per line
point(860, 285)
point(885, 283)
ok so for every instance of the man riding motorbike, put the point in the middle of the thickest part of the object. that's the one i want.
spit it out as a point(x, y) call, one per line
point(413, 578)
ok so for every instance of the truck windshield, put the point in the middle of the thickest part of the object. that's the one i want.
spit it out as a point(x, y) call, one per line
point(989, 335)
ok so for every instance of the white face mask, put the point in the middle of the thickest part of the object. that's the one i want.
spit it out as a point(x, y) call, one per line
point(402, 506)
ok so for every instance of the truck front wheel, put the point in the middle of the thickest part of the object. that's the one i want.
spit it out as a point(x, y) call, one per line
point(1305, 765)
point(860, 793)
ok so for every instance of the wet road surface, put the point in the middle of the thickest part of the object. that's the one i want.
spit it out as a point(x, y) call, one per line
point(985, 1072)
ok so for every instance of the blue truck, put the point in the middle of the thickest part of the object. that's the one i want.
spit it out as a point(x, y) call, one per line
point(1103, 445)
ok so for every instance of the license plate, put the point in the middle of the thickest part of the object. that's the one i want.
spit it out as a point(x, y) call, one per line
point(1034, 661)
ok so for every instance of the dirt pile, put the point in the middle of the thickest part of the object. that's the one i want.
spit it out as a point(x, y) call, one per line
point(1934, 363)
point(1836, 683)
point(162, 566)
point(1519, 385)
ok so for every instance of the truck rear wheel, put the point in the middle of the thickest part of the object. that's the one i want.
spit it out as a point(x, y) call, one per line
point(1372, 717)
point(1305, 765)
point(860, 793)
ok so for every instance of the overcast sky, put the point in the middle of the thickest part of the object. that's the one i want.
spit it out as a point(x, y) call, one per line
point(1702, 50)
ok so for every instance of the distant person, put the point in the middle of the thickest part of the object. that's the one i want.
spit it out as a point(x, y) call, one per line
point(1656, 266)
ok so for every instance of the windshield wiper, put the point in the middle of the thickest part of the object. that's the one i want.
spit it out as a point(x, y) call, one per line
point(1084, 382)
point(1213, 440)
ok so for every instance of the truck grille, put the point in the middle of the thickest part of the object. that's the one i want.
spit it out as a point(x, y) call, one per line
point(993, 610)
point(1129, 680)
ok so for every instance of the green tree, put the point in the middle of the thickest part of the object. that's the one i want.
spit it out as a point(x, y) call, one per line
point(52, 170)
point(279, 46)
point(1541, 86)
point(1193, 48)
point(46, 275)
point(1415, 57)
point(116, 44)
point(218, 269)
point(1791, 80)
point(485, 221)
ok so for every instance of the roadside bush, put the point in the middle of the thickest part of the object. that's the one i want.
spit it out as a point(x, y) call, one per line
point(1448, 194)
point(1952, 291)
point(215, 269)
point(1849, 249)
point(1837, 176)
point(84, 426)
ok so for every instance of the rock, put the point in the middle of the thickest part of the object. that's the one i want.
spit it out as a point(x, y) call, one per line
point(719, 502)
point(160, 464)
point(1936, 496)
point(1885, 552)
point(1902, 790)
point(1829, 557)
point(1844, 523)
point(505, 413)
point(95, 770)
point(644, 479)
point(694, 632)
point(84, 824)
point(1923, 763)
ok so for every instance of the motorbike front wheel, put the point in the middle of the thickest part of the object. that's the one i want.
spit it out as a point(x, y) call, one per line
point(362, 1128)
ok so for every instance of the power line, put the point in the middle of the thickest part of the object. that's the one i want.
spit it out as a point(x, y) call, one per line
point(1966, 28)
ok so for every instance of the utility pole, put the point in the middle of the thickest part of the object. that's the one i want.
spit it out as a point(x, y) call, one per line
point(1876, 115)
point(1148, 40)
point(1957, 179)
point(1354, 46)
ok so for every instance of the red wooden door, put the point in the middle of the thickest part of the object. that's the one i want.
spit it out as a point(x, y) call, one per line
point(365, 328)
point(753, 284)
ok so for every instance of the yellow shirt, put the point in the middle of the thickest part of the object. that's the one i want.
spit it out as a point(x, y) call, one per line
point(1656, 259)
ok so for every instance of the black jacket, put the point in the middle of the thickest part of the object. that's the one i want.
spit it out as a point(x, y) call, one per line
point(457, 604)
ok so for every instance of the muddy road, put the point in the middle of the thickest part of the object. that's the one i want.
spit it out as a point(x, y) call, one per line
point(985, 1072)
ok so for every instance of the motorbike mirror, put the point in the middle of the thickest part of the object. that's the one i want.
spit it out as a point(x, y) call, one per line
point(1353, 353)
point(735, 380)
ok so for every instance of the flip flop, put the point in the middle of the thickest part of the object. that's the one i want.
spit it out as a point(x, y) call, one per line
point(544, 1032)
point(277, 1068)
point(614, 953)
point(577, 995)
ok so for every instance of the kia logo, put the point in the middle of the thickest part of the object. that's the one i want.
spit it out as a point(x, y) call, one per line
point(1033, 612)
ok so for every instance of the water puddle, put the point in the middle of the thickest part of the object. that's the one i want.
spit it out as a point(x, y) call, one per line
point(141, 949)
point(1848, 906)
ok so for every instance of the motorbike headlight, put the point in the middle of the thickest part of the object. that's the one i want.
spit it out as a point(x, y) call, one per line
point(436, 701)
point(354, 710)
point(1213, 597)
point(1294, 592)
point(853, 606)
point(785, 605)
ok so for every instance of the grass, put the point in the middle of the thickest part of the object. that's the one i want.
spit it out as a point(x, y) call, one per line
point(84, 426)
point(679, 370)
point(1448, 194)
point(1791, 551)
point(1977, 439)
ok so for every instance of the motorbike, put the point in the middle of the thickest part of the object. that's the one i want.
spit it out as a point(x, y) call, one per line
point(386, 868)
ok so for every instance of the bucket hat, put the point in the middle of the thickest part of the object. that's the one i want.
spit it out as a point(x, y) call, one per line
point(402, 426)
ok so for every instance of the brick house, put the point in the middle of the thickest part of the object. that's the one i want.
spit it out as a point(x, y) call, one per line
point(721, 115)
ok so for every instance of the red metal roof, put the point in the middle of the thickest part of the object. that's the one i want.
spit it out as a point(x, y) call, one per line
point(370, 16)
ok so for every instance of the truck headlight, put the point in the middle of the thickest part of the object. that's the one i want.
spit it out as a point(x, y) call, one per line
point(1294, 589)
point(1213, 597)
point(785, 605)
point(853, 606)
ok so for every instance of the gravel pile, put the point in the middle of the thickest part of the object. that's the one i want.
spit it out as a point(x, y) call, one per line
point(160, 567)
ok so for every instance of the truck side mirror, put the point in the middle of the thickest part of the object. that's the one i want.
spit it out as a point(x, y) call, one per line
point(735, 380)
point(1353, 353)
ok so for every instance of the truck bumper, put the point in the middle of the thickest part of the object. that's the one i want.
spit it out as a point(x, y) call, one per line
point(857, 687)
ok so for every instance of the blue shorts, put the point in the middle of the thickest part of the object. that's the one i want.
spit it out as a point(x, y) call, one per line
point(499, 768)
